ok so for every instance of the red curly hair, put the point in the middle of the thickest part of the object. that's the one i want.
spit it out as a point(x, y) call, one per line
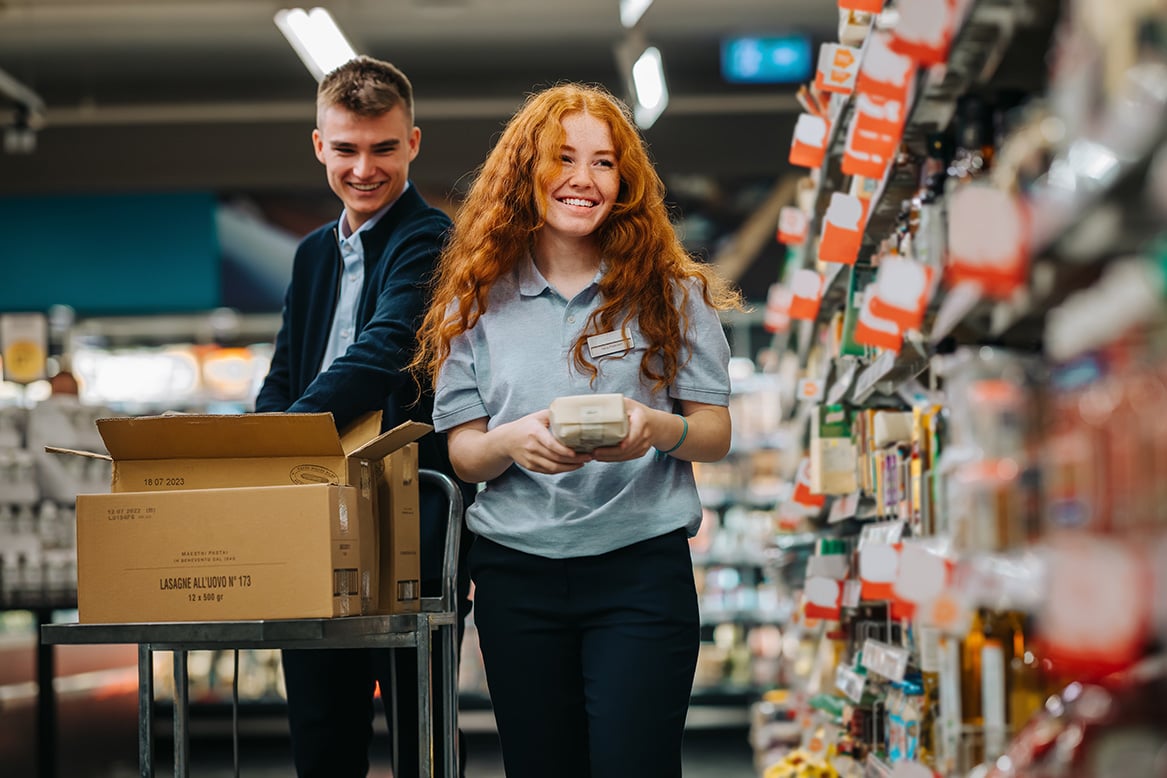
point(495, 227)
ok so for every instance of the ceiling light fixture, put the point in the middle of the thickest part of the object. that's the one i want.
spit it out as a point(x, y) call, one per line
point(648, 87)
point(314, 35)
point(632, 10)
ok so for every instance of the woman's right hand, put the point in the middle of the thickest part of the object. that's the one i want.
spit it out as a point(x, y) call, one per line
point(533, 447)
point(481, 455)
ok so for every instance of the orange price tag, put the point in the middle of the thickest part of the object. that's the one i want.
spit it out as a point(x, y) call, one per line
point(924, 30)
point(778, 301)
point(884, 72)
point(842, 233)
point(997, 259)
point(807, 286)
point(838, 67)
point(792, 226)
point(809, 144)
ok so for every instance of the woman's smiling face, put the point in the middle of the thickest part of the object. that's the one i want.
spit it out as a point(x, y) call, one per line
point(582, 196)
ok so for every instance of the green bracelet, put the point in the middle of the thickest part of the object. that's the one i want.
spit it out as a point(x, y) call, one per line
point(684, 431)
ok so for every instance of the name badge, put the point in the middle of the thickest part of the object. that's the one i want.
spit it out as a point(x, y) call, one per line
point(614, 342)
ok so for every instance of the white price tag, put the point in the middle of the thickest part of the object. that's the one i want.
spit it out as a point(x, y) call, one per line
point(838, 67)
point(828, 566)
point(852, 589)
point(886, 532)
point(883, 659)
point(911, 770)
point(810, 389)
point(844, 508)
point(846, 370)
point(850, 683)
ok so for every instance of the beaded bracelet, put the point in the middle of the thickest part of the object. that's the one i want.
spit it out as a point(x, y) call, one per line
point(684, 431)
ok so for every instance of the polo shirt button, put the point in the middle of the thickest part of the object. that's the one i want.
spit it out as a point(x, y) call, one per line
point(571, 320)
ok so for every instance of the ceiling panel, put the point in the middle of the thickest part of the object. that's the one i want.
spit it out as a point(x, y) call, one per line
point(145, 95)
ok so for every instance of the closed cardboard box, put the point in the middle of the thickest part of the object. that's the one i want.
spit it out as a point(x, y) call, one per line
point(272, 552)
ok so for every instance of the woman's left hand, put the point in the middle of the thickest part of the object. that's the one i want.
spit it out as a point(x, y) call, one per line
point(638, 440)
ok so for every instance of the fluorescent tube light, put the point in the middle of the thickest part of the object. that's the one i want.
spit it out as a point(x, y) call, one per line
point(314, 35)
point(649, 89)
point(632, 10)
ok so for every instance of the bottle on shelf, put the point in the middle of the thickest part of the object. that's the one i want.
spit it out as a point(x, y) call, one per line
point(973, 152)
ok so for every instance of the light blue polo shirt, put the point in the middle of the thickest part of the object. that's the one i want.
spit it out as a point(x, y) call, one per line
point(515, 361)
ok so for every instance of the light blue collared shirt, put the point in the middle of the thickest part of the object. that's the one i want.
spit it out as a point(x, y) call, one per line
point(352, 280)
point(515, 361)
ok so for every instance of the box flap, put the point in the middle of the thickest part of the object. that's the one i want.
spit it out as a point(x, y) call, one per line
point(360, 432)
point(225, 435)
point(386, 444)
point(75, 452)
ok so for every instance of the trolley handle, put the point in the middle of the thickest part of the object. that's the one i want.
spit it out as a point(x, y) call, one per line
point(453, 541)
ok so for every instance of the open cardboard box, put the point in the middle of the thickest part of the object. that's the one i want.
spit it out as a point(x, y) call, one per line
point(169, 460)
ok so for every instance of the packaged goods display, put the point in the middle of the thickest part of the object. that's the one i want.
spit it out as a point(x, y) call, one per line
point(983, 455)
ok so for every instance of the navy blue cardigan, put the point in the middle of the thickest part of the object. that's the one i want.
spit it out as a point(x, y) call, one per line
point(400, 253)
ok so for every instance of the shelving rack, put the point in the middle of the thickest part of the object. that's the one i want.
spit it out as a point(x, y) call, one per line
point(1089, 208)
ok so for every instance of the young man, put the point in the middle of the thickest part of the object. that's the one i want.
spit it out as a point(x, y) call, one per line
point(350, 318)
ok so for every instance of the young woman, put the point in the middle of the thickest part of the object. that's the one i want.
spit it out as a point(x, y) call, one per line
point(584, 594)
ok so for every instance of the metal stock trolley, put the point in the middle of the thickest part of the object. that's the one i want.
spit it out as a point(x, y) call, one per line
point(413, 630)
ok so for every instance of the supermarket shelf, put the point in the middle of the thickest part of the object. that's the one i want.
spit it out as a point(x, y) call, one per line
point(890, 370)
point(1113, 206)
point(874, 767)
point(730, 695)
point(1112, 161)
point(977, 52)
point(756, 558)
point(835, 285)
point(711, 618)
point(223, 326)
point(845, 370)
point(40, 601)
point(955, 307)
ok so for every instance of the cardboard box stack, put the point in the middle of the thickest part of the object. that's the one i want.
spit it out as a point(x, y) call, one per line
point(254, 516)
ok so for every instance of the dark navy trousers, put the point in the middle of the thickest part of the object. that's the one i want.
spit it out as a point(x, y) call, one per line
point(331, 709)
point(330, 692)
point(589, 660)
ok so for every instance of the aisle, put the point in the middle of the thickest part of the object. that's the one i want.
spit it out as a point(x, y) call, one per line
point(720, 753)
point(712, 753)
point(98, 741)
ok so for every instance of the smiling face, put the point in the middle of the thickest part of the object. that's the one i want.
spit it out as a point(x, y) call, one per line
point(582, 195)
point(366, 158)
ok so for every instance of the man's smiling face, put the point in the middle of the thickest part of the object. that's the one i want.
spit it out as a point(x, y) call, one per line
point(366, 157)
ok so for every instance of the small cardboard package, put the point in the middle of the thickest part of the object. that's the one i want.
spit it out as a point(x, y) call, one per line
point(185, 455)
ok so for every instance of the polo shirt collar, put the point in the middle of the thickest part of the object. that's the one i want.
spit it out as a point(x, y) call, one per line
point(532, 283)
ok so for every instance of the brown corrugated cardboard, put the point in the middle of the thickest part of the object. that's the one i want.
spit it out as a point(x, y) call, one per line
point(397, 540)
point(194, 452)
point(270, 552)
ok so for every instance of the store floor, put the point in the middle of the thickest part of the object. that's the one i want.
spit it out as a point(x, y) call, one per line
point(708, 754)
point(97, 739)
